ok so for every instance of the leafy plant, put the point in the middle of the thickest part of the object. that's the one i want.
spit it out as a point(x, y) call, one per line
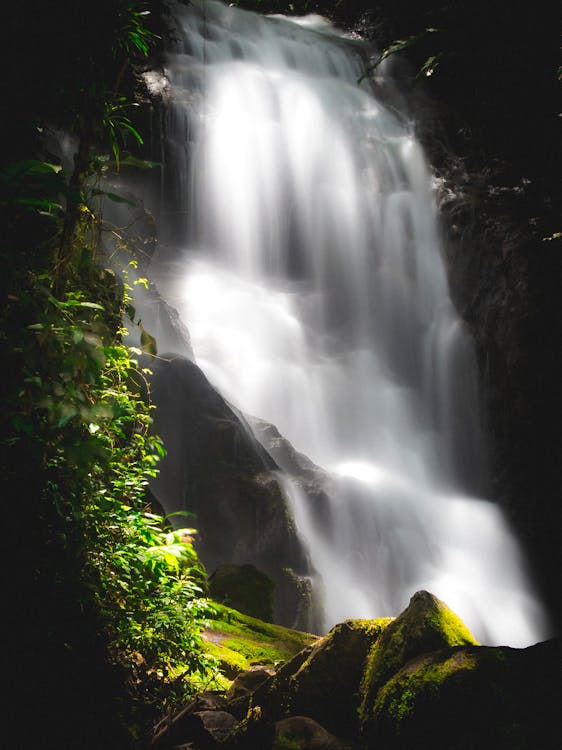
point(400, 45)
point(119, 126)
point(97, 575)
point(82, 403)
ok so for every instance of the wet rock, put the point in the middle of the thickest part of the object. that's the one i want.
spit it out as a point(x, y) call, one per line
point(317, 484)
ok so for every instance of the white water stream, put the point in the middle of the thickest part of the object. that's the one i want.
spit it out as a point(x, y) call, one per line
point(311, 277)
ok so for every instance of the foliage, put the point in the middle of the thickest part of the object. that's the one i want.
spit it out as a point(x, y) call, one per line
point(400, 45)
point(118, 125)
point(111, 603)
point(79, 408)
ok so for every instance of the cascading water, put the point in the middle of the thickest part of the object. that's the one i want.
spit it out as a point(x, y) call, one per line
point(309, 271)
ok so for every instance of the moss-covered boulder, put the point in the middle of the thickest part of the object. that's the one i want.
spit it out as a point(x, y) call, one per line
point(244, 588)
point(472, 697)
point(426, 625)
point(323, 681)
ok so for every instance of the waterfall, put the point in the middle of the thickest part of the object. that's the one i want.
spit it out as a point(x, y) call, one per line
point(304, 254)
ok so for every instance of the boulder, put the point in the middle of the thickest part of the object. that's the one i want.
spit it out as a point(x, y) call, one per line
point(322, 681)
point(253, 732)
point(426, 625)
point(472, 697)
point(246, 682)
point(210, 729)
point(195, 721)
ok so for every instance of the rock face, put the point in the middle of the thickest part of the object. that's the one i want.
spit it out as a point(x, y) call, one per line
point(220, 474)
point(317, 485)
point(418, 680)
point(501, 201)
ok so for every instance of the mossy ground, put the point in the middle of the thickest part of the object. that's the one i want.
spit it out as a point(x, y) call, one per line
point(239, 641)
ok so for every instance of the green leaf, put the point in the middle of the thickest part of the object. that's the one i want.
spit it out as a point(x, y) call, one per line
point(39, 203)
point(429, 67)
point(28, 167)
point(21, 424)
point(115, 197)
point(148, 342)
point(397, 46)
point(132, 161)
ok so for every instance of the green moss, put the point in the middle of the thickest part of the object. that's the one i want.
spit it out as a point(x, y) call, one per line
point(286, 741)
point(427, 625)
point(425, 676)
point(450, 626)
point(469, 697)
point(255, 652)
point(230, 661)
point(228, 620)
point(239, 641)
